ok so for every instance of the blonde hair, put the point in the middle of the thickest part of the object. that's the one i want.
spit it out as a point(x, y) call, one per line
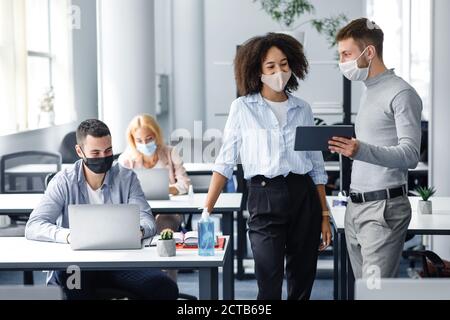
point(144, 121)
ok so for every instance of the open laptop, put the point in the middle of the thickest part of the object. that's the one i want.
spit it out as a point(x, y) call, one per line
point(104, 227)
point(154, 183)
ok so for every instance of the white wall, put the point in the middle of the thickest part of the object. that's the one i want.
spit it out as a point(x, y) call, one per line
point(440, 113)
point(229, 23)
point(188, 62)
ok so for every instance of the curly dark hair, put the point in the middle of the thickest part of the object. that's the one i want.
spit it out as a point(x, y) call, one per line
point(250, 56)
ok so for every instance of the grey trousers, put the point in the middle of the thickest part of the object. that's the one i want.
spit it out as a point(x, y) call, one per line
point(375, 234)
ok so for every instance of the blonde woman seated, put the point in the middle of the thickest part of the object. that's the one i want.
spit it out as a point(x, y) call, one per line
point(146, 149)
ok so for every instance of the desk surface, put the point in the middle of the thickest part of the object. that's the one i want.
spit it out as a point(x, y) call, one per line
point(227, 202)
point(46, 168)
point(36, 168)
point(436, 223)
point(191, 168)
point(20, 254)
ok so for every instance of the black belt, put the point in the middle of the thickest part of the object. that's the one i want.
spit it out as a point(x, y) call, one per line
point(263, 181)
point(378, 195)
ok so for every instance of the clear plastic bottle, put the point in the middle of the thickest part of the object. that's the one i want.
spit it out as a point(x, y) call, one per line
point(191, 192)
point(206, 236)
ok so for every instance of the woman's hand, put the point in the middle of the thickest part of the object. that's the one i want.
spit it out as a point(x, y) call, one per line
point(173, 191)
point(326, 233)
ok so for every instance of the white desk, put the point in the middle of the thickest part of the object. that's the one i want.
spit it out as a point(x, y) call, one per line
point(437, 223)
point(227, 204)
point(36, 168)
point(193, 168)
point(24, 203)
point(22, 254)
point(19, 204)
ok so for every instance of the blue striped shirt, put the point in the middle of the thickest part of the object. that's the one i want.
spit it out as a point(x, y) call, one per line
point(266, 148)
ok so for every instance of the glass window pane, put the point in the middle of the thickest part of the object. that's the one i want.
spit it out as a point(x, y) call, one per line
point(420, 51)
point(388, 15)
point(38, 85)
point(407, 30)
point(37, 25)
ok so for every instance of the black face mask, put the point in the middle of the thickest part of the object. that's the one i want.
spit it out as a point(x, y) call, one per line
point(98, 165)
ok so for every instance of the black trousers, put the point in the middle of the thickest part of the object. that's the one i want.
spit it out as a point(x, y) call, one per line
point(285, 222)
point(149, 284)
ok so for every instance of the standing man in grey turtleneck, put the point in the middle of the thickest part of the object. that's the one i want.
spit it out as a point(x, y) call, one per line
point(387, 144)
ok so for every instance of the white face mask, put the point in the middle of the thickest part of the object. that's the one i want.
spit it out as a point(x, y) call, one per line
point(277, 81)
point(351, 70)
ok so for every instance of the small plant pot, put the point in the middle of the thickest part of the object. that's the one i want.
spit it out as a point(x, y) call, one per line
point(425, 207)
point(166, 248)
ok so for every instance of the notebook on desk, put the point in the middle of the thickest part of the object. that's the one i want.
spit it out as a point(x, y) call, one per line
point(189, 240)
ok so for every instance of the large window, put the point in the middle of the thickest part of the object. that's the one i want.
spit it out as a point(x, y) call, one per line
point(407, 28)
point(35, 64)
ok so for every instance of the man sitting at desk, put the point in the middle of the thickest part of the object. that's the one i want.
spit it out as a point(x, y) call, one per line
point(94, 180)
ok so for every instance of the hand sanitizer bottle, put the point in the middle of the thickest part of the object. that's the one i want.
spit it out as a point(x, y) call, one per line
point(206, 237)
point(191, 192)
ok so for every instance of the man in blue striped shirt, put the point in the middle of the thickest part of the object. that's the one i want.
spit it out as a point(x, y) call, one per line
point(94, 180)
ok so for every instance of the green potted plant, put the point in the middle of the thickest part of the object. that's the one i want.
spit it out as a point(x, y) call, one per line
point(166, 245)
point(286, 12)
point(425, 205)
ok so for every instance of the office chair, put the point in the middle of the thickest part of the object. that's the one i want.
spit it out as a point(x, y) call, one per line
point(433, 266)
point(34, 180)
point(34, 184)
point(67, 148)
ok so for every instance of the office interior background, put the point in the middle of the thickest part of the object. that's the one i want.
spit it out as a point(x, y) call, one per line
point(114, 59)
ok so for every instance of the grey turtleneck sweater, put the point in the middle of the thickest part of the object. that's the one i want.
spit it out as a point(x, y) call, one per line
point(388, 128)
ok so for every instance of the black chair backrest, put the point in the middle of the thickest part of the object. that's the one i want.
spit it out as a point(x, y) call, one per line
point(19, 166)
point(67, 148)
point(49, 178)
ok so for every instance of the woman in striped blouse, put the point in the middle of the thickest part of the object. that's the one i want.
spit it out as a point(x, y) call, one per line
point(286, 200)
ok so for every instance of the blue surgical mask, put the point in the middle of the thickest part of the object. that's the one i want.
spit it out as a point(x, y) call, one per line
point(146, 149)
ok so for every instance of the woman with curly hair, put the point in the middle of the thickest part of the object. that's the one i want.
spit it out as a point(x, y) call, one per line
point(286, 200)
